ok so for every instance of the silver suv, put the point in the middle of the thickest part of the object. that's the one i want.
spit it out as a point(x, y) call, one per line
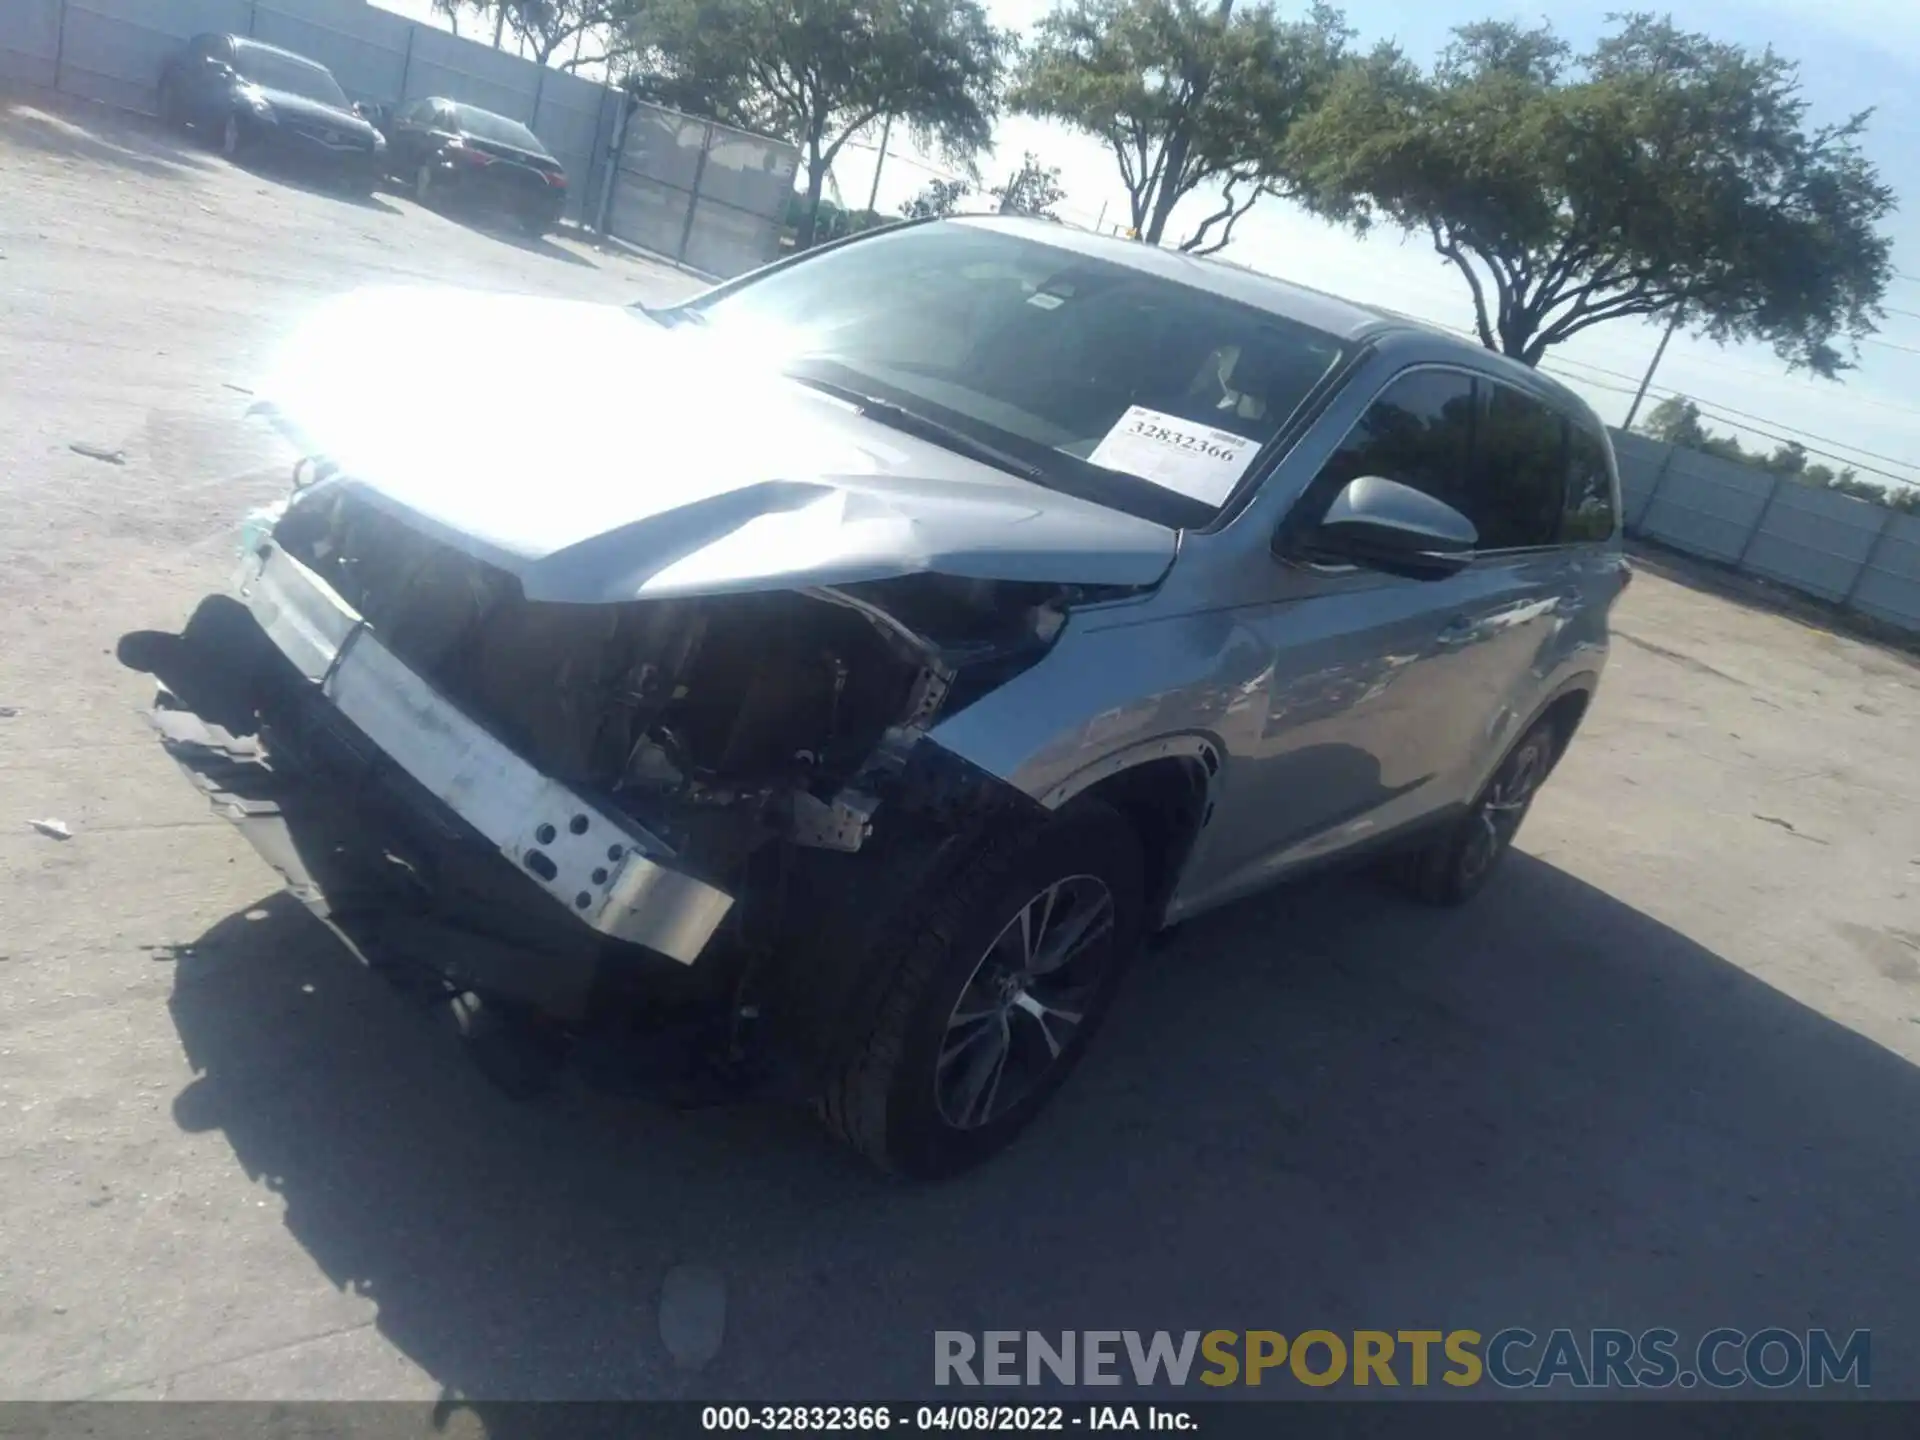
point(829, 682)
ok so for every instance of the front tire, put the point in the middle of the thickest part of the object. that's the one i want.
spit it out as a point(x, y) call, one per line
point(1456, 866)
point(232, 139)
point(994, 987)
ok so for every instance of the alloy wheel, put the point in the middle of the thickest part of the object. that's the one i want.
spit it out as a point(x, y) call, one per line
point(1025, 1002)
point(1504, 806)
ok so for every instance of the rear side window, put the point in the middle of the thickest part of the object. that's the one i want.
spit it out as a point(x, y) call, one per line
point(1418, 432)
point(1590, 513)
point(1515, 499)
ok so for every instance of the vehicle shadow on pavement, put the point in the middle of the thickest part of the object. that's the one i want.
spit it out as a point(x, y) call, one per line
point(1322, 1108)
point(481, 223)
point(295, 179)
point(73, 131)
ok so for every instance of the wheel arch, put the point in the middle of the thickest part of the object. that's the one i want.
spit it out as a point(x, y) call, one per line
point(1165, 789)
point(1565, 708)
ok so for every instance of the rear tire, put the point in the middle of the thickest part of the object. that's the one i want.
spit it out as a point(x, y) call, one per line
point(1455, 867)
point(994, 985)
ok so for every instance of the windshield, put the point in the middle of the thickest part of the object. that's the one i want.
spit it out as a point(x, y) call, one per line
point(271, 70)
point(485, 125)
point(1135, 391)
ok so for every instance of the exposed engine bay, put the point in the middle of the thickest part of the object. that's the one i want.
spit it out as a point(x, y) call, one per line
point(721, 722)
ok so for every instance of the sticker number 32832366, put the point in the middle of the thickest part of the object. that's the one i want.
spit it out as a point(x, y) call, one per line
point(1192, 459)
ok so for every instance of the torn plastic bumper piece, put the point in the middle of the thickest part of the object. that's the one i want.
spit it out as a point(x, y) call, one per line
point(604, 868)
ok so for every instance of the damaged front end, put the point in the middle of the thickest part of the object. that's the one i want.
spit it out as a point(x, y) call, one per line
point(558, 803)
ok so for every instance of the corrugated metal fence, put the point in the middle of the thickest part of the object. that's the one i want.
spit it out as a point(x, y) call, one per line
point(1862, 556)
point(113, 50)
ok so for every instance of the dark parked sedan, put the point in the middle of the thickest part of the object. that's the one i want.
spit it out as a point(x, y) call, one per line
point(260, 98)
point(453, 152)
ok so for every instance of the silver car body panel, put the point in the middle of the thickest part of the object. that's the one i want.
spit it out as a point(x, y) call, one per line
point(1327, 706)
point(631, 462)
point(600, 865)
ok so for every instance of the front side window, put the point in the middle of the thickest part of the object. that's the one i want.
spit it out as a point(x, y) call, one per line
point(1419, 432)
point(1110, 382)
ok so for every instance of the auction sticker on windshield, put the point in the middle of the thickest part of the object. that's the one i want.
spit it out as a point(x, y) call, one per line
point(1195, 460)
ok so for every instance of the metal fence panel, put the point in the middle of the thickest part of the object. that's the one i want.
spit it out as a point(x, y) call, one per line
point(570, 119)
point(30, 41)
point(703, 194)
point(748, 172)
point(1707, 505)
point(1640, 461)
point(648, 214)
point(113, 50)
point(726, 241)
point(664, 146)
point(455, 68)
point(1814, 540)
point(1889, 587)
point(364, 46)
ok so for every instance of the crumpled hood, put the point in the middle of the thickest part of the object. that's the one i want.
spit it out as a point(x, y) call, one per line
point(601, 457)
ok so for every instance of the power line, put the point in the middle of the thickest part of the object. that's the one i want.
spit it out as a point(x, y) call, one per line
point(1766, 420)
point(1905, 349)
point(1712, 413)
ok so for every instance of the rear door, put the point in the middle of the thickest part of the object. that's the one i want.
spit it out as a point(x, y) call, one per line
point(1525, 589)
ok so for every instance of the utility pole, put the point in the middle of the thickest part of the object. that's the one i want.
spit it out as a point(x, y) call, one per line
point(873, 195)
point(1679, 313)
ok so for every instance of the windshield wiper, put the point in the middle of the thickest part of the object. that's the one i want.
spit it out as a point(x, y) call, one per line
point(925, 426)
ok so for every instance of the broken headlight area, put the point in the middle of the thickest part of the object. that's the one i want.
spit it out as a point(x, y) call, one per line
point(720, 722)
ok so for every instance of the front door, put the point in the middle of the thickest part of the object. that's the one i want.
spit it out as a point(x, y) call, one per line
point(1373, 684)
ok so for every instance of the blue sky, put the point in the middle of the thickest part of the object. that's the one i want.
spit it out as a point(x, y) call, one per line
point(1853, 54)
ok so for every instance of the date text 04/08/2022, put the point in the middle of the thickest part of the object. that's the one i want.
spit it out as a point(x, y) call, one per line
point(979, 1419)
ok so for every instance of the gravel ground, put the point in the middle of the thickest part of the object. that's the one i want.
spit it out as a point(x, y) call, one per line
point(1662, 1074)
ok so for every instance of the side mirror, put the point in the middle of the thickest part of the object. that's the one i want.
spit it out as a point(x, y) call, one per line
point(1383, 525)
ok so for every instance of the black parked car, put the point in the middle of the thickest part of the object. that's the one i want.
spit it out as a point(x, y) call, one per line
point(448, 151)
point(259, 98)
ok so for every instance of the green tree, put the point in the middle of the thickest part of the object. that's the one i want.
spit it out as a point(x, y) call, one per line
point(818, 72)
point(939, 197)
point(1185, 94)
point(1660, 170)
point(544, 27)
point(1675, 421)
point(1033, 189)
